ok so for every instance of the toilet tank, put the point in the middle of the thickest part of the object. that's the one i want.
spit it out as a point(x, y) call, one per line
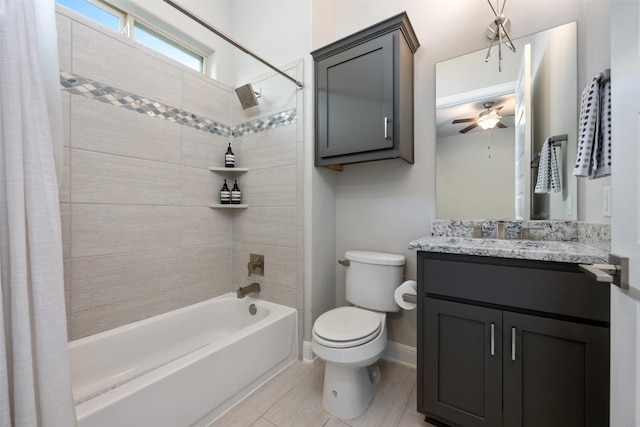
point(371, 279)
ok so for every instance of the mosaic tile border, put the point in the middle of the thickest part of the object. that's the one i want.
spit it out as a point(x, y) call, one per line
point(284, 118)
point(92, 89)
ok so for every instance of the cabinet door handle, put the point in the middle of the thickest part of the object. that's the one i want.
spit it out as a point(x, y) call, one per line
point(513, 343)
point(493, 339)
point(386, 128)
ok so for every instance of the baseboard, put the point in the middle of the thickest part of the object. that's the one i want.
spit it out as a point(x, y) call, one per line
point(400, 353)
point(307, 353)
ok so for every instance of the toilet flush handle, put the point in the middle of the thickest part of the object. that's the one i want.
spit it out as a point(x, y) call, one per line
point(344, 262)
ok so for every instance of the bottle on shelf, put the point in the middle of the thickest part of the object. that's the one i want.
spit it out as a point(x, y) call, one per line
point(229, 158)
point(225, 194)
point(236, 194)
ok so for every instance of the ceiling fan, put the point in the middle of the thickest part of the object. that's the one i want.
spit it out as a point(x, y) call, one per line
point(486, 119)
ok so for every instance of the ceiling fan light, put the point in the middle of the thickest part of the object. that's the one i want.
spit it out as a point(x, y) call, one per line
point(488, 121)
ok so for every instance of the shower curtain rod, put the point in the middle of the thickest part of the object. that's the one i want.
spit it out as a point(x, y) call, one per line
point(228, 39)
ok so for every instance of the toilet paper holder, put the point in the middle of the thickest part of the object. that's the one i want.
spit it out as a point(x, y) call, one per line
point(410, 298)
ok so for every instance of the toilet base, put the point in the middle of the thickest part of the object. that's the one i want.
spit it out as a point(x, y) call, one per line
point(347, 392)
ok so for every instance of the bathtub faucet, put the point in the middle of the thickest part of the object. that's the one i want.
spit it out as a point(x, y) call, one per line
point(243, 291)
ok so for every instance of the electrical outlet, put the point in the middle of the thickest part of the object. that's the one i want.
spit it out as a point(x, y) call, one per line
point(606, 201)
point(569, 206)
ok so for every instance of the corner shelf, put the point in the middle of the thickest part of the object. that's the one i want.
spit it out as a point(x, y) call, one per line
point(228, 170)
point(221, 206)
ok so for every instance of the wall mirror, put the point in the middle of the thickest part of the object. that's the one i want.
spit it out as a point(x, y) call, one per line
point(491, 173)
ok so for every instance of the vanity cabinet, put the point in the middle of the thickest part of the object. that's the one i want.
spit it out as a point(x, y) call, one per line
point(364, 95)
point(505, 342)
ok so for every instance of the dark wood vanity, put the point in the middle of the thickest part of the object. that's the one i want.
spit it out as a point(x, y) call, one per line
point(511, 342)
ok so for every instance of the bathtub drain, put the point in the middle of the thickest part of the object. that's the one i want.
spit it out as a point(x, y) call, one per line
point(253, 309)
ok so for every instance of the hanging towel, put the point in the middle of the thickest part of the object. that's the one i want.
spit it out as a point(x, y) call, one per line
point(601, 160)
point(548, 176)
point(588, 131)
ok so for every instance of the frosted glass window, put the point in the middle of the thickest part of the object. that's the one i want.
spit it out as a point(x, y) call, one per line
point(94, 12)
point(167, 47)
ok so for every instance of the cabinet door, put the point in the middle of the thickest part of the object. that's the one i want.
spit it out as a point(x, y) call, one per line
point(355, 99)
point(556, 373)
point(463, 363)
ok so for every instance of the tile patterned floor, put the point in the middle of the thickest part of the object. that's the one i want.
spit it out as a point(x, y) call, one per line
point(292, 398)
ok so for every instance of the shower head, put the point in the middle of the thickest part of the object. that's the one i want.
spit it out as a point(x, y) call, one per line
point(247, 96)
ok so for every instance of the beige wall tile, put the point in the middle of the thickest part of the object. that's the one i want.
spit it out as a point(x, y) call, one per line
point(97, 126)
point(270, 187)
point(271, 148)
point(280, 264)
point(266, 225)
point(210, 264)
point(111, 316)
point(109, 229)
point(63, 25)
point(66, 118)
point(261, 422)
point(65, 189)
point(200, 187)
point(202, 149)
point(65, 225)
point(123, 66)
point(203, 226)
point(106, 178)
point(274, 293)
point(108, 279)
point(201, 292)
point(203, 97)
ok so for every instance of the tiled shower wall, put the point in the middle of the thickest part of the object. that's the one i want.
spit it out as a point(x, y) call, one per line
point(139, 238)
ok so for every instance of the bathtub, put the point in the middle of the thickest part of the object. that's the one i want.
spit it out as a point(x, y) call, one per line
point(182, 368)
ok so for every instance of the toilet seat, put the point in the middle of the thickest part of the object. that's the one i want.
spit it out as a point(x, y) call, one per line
point(346, 327)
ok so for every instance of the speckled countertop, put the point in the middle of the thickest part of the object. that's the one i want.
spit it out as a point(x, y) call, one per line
point(557, 251)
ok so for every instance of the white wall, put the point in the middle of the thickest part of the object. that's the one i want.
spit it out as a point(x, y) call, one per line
point(481, 181)
point(384, 205)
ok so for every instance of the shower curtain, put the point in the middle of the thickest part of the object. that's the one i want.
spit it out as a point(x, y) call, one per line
point(35, 387)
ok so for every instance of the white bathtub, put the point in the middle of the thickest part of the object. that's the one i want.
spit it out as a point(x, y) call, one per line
point(182, 368)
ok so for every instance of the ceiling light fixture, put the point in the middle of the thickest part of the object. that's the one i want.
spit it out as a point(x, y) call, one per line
point(499, 31)
point(488, 120)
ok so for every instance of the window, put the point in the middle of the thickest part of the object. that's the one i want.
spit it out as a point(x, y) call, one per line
point(145, 34)
point(102, 14)
point(160, 43)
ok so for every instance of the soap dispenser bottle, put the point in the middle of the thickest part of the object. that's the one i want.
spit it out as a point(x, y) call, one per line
point(225, 194)
point(236, 194)
point(229, 158)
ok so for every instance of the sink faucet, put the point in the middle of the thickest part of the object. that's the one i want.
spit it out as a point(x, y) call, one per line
point(243, 291)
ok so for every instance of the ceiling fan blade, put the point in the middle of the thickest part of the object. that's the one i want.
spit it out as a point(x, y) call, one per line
point(468, 128)
point(463, 121)
point(501, 125)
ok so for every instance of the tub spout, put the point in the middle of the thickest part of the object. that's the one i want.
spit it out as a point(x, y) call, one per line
point(243, 291)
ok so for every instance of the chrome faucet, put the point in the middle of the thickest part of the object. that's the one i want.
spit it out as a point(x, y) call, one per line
point(243, 291)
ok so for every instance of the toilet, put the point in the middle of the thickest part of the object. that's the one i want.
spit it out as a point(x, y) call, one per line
point(351, 339)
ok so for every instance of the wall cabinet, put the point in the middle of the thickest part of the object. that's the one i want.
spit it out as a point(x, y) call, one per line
point(532, 361)
point(364, 95)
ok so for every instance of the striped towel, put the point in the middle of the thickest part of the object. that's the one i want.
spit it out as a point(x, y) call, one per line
point(548, 176)
point(594, 135)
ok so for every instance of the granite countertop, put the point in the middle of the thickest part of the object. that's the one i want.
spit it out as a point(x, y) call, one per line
point(571, 252)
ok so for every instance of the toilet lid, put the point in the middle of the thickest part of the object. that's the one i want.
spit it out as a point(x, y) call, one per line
point(347, 326)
